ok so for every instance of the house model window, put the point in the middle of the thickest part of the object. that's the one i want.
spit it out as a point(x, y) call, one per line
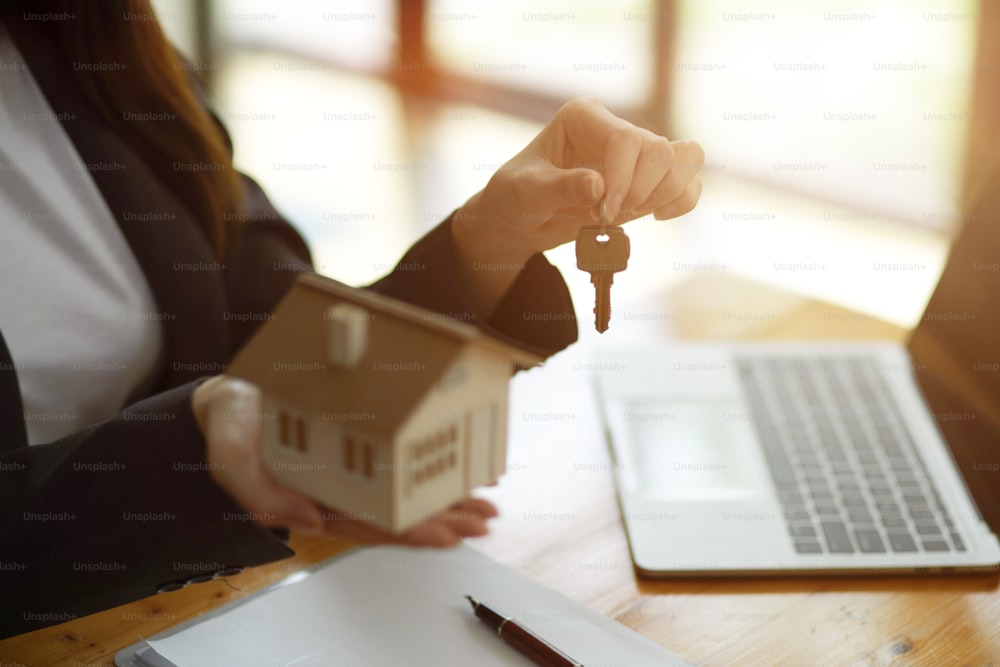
point(359, 456)
point(433, 456)
point(382, 409)
point(293, 432)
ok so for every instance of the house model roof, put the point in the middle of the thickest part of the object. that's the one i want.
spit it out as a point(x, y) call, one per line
point(405, 350)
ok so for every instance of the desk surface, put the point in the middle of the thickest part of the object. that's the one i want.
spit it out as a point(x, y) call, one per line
point(560, 525)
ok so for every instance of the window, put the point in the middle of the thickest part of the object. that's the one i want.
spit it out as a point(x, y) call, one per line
point(369, 462)
point(352, 33)
point(293, 432)
point(433, 455)
point(559, 49)
point(284, 429)
point(301, 431)
point(358, 455)
point(862, 104)
point(348, 446)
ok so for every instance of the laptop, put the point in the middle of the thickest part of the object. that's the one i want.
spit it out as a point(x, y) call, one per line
point(819, 458)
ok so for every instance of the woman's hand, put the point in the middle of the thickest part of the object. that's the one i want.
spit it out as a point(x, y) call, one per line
point(540, 198)
point(229, 414)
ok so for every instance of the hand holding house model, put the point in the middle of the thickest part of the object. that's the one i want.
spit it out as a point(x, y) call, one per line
point(378, 408)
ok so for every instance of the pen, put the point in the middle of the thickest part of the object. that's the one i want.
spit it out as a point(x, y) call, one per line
point(524, 640)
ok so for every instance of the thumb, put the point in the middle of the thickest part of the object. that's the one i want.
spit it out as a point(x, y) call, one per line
point(550, 188)
point(292, 509)
point(231, 425)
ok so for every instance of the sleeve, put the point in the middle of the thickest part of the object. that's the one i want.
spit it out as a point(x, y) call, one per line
point(536, 313)
point(83, 515)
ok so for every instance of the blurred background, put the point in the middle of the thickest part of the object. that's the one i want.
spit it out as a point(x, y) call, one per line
point(844, 139)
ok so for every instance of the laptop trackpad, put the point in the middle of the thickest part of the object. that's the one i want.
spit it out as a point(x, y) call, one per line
point(698, 451)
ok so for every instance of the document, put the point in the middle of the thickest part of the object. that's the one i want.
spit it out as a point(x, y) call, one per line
point(394, 606)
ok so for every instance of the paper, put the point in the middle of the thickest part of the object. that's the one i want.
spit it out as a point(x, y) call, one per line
point(396, 606)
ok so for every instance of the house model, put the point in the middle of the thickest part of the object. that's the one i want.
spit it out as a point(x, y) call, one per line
point(380, 410)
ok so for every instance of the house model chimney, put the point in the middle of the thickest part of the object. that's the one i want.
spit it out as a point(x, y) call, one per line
point(347, 334)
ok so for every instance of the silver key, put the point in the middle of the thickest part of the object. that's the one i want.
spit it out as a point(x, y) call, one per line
point(602, 252)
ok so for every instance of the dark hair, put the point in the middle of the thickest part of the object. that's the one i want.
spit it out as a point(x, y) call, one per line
point(155, 79)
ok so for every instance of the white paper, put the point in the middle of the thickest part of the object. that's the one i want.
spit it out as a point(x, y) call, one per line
point(398, 606)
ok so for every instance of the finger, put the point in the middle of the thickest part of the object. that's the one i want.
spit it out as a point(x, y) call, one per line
point(584, 122)
point(430, 534)
point(689, 157)
point(468, 526)
point(483, 508)
point(655, 163)
point(666, 191)
point(687, 160)
point(622, 150)
point(461, 522)
point(545, 188)
point(466, 518)
point(681, 205)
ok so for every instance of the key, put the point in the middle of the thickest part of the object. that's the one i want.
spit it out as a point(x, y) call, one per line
point(602, 252)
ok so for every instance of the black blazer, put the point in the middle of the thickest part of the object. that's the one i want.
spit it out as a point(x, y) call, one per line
point(124, 508)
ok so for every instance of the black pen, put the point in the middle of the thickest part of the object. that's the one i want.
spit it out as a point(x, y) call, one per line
point(524, 640)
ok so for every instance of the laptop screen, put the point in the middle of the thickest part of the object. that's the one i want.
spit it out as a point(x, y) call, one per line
point(956, 353)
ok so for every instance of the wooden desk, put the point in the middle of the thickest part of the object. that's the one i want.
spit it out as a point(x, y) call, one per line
point(560, 526)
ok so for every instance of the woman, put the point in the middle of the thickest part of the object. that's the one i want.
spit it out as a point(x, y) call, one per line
point(125, 249)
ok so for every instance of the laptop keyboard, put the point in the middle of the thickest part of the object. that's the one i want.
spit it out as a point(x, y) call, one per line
point(848, 477)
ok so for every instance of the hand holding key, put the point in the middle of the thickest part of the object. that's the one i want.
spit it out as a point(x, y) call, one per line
point(543, 196)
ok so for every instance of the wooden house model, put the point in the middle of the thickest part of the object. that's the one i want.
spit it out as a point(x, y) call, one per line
point(378, 409)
